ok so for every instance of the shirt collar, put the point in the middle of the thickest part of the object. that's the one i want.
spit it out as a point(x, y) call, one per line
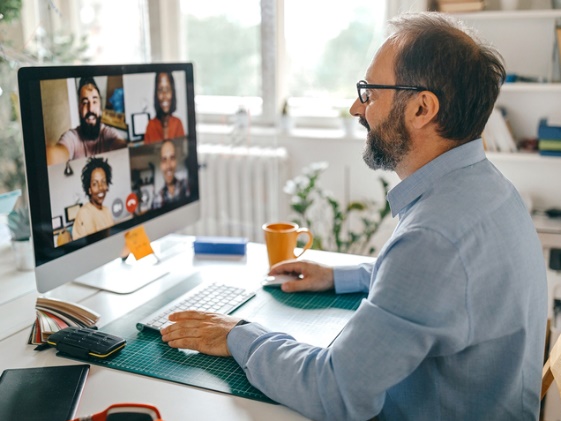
point(417, 183)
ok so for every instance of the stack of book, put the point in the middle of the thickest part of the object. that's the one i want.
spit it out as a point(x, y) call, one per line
point(549, 134)
point(54, 315)
point(460, 6)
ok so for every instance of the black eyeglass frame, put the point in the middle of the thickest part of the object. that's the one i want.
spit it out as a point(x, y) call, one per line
point(361, 84)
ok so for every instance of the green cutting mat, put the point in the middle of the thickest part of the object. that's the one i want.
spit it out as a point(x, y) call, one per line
point(146, 354)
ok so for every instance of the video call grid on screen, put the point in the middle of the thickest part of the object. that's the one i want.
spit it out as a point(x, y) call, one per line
point(140, 165)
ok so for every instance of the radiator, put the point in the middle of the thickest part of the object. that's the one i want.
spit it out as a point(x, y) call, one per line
point(241, 188)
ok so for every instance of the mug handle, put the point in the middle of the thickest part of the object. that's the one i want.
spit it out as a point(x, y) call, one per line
point(310, 240)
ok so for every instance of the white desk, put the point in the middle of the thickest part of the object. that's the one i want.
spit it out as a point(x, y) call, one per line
point(106, 386)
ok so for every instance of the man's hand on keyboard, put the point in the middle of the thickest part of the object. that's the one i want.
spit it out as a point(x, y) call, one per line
point(200, 331)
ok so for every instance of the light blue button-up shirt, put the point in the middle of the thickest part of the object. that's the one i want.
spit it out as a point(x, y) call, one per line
point(453, 327)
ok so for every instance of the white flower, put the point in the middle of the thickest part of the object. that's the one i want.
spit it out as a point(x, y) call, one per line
point(301, 181)
point(296, 200)
point(290, 187)
point(319, 166)
point(315, 168)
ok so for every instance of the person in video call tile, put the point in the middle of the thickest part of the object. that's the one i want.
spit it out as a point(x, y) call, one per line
point(174, 188)
point(164, 125)
point(91, 137)
point(452, 326)
point(93, 216)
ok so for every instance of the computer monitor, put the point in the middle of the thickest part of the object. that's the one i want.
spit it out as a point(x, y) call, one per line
point(85, 161)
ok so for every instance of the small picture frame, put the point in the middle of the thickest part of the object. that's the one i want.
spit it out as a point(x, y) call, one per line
point(139, 123)
point(71, 211)
point(57, 223)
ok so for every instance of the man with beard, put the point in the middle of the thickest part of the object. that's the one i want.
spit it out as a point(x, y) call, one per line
point(174, 188)
point(93, 216)
point(91, 137)
point(454, 323)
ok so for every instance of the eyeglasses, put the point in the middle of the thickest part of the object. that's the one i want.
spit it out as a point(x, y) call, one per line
point(362, 89)
point(125, 412)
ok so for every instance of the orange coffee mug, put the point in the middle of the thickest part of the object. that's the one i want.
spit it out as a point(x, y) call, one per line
point(280, 238)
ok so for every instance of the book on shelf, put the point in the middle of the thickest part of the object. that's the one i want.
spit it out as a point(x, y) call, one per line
point(549, 137)
point(454, 6)
point(549, 130)
point(549, 153)
point(497, 135)
point(549, 145)
point(54, 315)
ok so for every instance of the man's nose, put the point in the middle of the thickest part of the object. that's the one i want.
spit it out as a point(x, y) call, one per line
point(357, 109)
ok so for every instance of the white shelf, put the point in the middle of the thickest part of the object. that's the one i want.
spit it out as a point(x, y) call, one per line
point(520, 157)
point(532, 87)
point(510, 14)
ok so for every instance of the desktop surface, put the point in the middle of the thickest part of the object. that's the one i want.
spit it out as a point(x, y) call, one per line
point(313, 318)
point(175, 401)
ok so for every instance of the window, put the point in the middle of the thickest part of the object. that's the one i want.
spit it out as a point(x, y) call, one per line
point(257, 54)
point(223, 41)
point(253, 54)
point(117, 31)
point(86, 31)
point(329, 47)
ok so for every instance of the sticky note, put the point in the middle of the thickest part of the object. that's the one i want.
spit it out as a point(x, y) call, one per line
point(138, 242)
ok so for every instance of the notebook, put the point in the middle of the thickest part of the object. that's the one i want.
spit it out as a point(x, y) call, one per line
point(41, 393)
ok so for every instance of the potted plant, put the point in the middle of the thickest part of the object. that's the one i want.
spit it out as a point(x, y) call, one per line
point(348, 121)
point(285, 118)
point(18, 224)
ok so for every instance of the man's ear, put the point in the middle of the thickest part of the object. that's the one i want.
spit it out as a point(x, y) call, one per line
point(424, 108)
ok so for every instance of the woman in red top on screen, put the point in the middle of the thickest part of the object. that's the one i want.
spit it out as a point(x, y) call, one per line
point(164, 125)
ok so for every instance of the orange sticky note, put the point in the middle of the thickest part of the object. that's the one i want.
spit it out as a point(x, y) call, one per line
point(138, 243)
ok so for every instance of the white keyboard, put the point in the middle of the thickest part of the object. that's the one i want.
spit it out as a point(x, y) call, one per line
point(215, 298)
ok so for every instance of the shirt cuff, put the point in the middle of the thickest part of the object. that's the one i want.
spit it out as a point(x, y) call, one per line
point(347, 279)
point(240, 340)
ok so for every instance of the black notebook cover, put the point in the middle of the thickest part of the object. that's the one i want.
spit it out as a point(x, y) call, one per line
point(41, 393)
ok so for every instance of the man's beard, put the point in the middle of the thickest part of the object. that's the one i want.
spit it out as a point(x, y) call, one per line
point(387, 143)
point(88, 131)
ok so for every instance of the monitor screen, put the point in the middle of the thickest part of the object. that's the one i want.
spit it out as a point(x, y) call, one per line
point(88, 158)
